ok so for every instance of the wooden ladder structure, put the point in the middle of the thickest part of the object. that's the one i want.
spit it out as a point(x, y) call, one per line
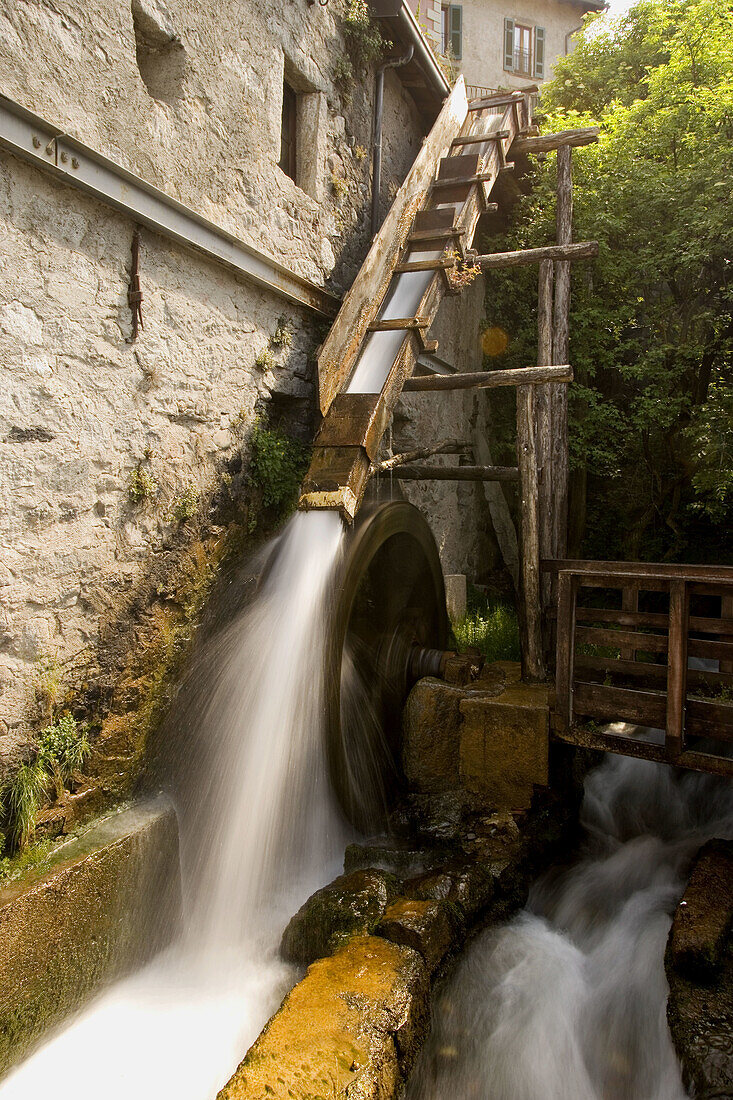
point(428, 232)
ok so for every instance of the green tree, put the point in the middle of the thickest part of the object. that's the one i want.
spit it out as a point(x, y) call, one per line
point(652, 318)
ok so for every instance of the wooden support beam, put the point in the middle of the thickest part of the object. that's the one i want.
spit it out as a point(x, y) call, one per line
point(530, 617)
point(559, 394)
point(501, 100)
point(545, 143)
point(490, 379)
point(447, 447)
point(465, 181)
point(436, 234)
point(567, 587)
point(396, 323)
point(677, 667)
point(455, 473)
point(424, 265)
point(543, 420)
point(479, 139)
point(583, 250)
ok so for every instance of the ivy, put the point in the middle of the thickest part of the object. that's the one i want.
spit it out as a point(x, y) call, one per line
point(277, 467)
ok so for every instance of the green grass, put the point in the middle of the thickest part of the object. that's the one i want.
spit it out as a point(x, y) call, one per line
point(492, 629)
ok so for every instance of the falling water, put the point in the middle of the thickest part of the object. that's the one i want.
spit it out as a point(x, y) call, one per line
point(259, 832)
point(567, 1002)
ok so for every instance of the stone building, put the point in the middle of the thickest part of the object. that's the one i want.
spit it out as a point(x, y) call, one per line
point(503, 43)
point(214, 159)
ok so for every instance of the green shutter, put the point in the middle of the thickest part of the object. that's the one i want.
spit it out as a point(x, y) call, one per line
point(509, 45)
point(539, 52)
point(456, 31)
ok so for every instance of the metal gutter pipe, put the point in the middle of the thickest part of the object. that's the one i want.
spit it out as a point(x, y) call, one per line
point(377, 139)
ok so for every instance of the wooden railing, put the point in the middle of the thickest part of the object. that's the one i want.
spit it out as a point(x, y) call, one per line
point(625, 634)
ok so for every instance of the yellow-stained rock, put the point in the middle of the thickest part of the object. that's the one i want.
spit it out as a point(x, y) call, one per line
point(351, 1028)
point(424, 925)
point(504, 746)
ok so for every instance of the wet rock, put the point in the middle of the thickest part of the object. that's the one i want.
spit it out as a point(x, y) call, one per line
point(352, 904)
point(699, 966)
point(401, 859)
point(351, 1028)
point(470, 887)
point(426, 926)
point(703, 919)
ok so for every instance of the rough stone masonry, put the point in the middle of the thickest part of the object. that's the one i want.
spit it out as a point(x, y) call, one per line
point(108, 445)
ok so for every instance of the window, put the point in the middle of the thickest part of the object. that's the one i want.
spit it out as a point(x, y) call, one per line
point(451, 28)
point(524, 49)
point(288, 133)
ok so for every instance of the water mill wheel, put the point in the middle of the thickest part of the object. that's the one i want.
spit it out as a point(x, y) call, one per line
point(390, 627)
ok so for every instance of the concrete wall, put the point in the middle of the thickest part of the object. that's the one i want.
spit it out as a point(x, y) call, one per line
point(82, 408)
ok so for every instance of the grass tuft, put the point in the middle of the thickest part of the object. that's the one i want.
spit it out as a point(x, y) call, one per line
point(493, 630)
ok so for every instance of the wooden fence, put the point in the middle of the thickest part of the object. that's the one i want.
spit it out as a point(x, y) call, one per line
point(625, 634)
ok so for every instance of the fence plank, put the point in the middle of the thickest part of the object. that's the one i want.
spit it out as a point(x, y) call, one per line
point(565, 659)
point(677, 667)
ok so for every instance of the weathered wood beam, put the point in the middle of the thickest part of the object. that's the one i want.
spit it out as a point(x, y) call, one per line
point(559, 394)
point(425, 265)
point(479, 139)
point(543, 420)
point(565, 139)
point(456, 473)
point(362, 302)
point(490, 379)
point(447, 447)
point(583, 250)
point(530, 617)
point(395, 324)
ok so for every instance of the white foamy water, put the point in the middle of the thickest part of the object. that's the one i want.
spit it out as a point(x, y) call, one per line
point(259, 830)
point(568, 1001)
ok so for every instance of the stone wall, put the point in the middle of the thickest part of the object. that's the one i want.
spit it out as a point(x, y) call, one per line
point(190, 99)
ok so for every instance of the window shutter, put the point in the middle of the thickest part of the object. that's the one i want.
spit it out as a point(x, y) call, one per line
point(539, 52)
point(456, 31)
point(509, 45)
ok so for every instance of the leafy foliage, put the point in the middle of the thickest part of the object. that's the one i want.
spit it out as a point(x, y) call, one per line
point(62, 750)
point(363, 38)
point(651, 327)
point(491, 628)
point(277, 467)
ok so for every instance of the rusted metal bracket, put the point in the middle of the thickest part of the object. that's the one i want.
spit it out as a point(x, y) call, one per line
point(134, 293)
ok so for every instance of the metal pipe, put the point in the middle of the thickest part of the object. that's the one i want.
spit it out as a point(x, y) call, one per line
point(377, 140)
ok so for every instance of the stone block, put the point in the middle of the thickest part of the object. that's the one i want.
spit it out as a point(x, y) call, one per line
point(351, 1028)
point(426, 926)
point(349, 905)
point(504, 746)
point(430, 723)
point(107, 901)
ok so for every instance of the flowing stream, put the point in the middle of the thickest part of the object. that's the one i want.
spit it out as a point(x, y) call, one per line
point(567, 1001)
point(259, 832)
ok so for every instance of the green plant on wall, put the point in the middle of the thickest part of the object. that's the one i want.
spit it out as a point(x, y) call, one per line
point(363, 38)
point(185, 505)
point(63, 747)
point(277, 467)
point(282, 337)
point(141, 486)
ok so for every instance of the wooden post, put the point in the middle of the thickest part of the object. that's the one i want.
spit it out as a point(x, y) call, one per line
point(559, 393)
point(544, 438)
point(676, 668)
point(530, 618)
point(567, 586)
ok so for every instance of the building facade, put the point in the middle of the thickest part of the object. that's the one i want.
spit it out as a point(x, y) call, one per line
point(500, 44)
